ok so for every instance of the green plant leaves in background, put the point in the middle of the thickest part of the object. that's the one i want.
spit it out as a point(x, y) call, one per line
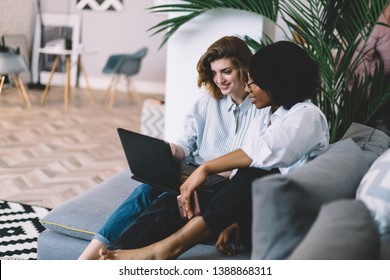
point(331, 31)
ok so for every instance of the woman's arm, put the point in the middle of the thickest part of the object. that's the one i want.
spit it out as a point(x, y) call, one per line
point(194, 123)
point(233, 160)
point(177, 152)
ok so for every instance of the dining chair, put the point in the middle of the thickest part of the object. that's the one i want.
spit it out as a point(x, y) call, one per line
point(123, 65)
point(11, 65)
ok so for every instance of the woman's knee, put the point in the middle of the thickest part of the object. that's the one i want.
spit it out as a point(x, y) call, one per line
point(145, 192)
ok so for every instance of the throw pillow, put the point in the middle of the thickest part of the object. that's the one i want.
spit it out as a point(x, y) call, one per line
point(372, 141)
point(344, 230)
point(285, 207)
point(374, 191)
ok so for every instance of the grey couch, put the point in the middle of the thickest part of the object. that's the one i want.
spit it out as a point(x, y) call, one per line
point(309, 214)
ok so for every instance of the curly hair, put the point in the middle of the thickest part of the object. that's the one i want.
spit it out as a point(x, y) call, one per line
point(229, 47)
point(286, 72)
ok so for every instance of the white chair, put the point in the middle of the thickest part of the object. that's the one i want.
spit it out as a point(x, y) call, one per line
point(12, 64)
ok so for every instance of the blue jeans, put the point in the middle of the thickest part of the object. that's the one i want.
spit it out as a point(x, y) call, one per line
point(127, 213)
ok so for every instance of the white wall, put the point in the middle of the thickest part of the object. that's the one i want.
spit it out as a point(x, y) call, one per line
point(183, 52)
point(16, 18)
point(105, 32)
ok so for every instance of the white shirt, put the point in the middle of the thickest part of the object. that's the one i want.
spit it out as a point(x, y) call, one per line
point(287, 139)
point(212, 129)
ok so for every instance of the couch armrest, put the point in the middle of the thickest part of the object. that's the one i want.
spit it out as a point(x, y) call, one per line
point(84, 214)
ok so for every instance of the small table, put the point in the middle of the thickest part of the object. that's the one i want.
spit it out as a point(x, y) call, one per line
point(58, 53)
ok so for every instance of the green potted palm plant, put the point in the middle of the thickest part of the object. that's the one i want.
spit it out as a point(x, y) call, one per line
point(330, 30)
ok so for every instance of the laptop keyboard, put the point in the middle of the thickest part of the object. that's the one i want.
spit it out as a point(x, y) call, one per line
point(185, 171)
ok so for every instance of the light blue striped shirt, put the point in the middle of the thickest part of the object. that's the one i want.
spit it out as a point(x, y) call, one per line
point(212, 129)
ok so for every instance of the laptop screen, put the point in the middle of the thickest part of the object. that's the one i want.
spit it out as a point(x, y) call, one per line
point(150, 160)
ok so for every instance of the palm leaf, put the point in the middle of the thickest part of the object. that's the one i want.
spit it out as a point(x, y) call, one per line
point(347, 25)
point(331, 31)
point(256, 45)
point(193, 8)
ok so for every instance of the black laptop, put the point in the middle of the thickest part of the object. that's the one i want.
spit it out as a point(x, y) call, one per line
point(151, 162)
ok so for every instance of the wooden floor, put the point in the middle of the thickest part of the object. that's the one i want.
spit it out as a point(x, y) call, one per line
point(49, 155)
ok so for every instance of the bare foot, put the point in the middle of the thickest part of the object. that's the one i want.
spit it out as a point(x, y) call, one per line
point(167, 249)
point(92, 250)
point(134, 254)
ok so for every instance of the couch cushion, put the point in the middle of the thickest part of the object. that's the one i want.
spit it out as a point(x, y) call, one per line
point(53, 245)
point(344, 230)
point(209, 252)
point(374, 191)
point(56, 246)
point(285, 207)
point(385, 246)
point(84, 214)
point(373, 142)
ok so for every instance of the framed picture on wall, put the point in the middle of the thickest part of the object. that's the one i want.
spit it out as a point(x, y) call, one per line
point(57, 31)
point(100, 5)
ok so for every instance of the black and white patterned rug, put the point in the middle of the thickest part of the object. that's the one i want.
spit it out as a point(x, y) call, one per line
point(19, 229)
